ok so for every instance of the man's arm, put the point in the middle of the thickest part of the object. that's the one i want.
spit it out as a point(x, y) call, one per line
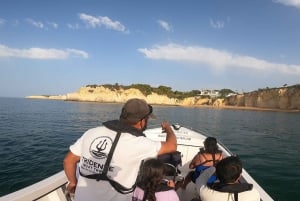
point(70, 164)
point(170, 145)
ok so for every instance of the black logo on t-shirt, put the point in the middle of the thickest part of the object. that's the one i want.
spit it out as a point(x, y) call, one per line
point(100, 147)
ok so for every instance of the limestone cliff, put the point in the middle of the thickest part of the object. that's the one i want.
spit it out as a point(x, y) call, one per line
point(285, 98)
point(102, 94)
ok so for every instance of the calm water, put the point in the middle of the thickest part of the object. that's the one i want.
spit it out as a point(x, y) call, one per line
point(35, 136)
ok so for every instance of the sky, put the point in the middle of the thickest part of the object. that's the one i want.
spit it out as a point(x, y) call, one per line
point(55, 47)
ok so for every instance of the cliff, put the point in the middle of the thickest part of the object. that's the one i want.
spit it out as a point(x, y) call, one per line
point(102, 94)
point(285, 98)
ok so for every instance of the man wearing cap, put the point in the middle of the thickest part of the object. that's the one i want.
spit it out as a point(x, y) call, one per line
point(92, 152)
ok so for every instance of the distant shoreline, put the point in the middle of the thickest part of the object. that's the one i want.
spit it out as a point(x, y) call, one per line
point(227, 107)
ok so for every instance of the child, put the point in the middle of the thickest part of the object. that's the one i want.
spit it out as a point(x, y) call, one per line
point(152, 185)
point(205, 158)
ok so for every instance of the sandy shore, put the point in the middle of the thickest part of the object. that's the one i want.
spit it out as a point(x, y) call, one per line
point(63, 97)
point(249, 108)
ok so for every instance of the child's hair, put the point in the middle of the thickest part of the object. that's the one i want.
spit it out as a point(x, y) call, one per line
point(210, 145)
point(152, 174)
point(229, 169)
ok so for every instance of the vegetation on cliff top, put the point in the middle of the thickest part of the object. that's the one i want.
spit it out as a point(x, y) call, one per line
point(161, 90)
point(167, 91)
point(296, 86)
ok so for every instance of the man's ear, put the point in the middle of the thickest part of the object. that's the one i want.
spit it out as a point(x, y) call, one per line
point(143, 121)
point(239, 177)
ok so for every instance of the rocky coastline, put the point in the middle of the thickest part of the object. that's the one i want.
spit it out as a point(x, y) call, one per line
point(277, 99)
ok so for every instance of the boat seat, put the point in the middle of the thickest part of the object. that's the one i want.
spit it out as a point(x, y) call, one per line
point(171, 172)
point(173, 158)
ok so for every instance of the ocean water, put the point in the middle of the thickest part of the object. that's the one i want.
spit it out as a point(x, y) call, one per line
point(35, 136)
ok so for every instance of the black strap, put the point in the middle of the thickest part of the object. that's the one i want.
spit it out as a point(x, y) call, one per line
point(206, 161)
point(236, 196)
point(103, 175)
point(232, 188)
point(117, 126)
point(109, 157)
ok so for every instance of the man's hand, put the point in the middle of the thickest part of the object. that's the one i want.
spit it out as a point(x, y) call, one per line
point(71, 187)
point(170, 145)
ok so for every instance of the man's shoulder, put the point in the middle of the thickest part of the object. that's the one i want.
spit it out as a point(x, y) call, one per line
point(99, 129)
point(104, 131)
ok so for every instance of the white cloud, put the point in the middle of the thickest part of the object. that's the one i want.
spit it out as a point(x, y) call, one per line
point(35, 23)
point(215, 58)
point(53, 24)
point(165, 25)
point(40, 53)
point(41, 25)
point(216, 24)
point(78, 53)
point(75, 26)
point(295, 3)
point(99, 21)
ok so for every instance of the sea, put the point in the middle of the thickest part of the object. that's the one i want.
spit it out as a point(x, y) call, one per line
point(36, 134)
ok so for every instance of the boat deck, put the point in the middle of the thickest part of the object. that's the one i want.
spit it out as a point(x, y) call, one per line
point(189, 142)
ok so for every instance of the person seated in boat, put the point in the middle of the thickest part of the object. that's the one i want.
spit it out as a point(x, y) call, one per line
point(153, 185)
point(228, 188)
point(205, 158)
point(108, 157)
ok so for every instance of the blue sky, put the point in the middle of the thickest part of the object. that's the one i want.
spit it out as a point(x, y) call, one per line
point(55, 47)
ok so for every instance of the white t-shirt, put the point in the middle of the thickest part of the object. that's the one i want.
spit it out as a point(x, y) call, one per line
point(93, 147)
point(208, 194)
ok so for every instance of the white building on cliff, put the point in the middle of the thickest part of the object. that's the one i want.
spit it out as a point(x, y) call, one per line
point(210, 93)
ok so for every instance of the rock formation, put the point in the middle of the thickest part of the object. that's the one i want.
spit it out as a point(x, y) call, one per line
point(285, 98)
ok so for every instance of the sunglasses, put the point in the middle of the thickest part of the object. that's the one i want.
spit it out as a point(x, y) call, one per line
point(150, 112)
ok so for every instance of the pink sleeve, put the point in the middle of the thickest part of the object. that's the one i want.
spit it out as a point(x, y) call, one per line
point(169, 195)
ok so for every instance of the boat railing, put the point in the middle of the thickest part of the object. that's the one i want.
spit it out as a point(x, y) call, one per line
point(51, 185)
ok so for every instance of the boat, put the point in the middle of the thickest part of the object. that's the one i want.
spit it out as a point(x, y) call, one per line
point(189, 141)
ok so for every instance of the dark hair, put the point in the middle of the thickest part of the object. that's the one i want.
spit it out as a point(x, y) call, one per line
point(210, 145)
point(151, 175)
point(229, 169)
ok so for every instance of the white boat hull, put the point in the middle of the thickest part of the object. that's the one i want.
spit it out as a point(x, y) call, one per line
point(189, 142)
